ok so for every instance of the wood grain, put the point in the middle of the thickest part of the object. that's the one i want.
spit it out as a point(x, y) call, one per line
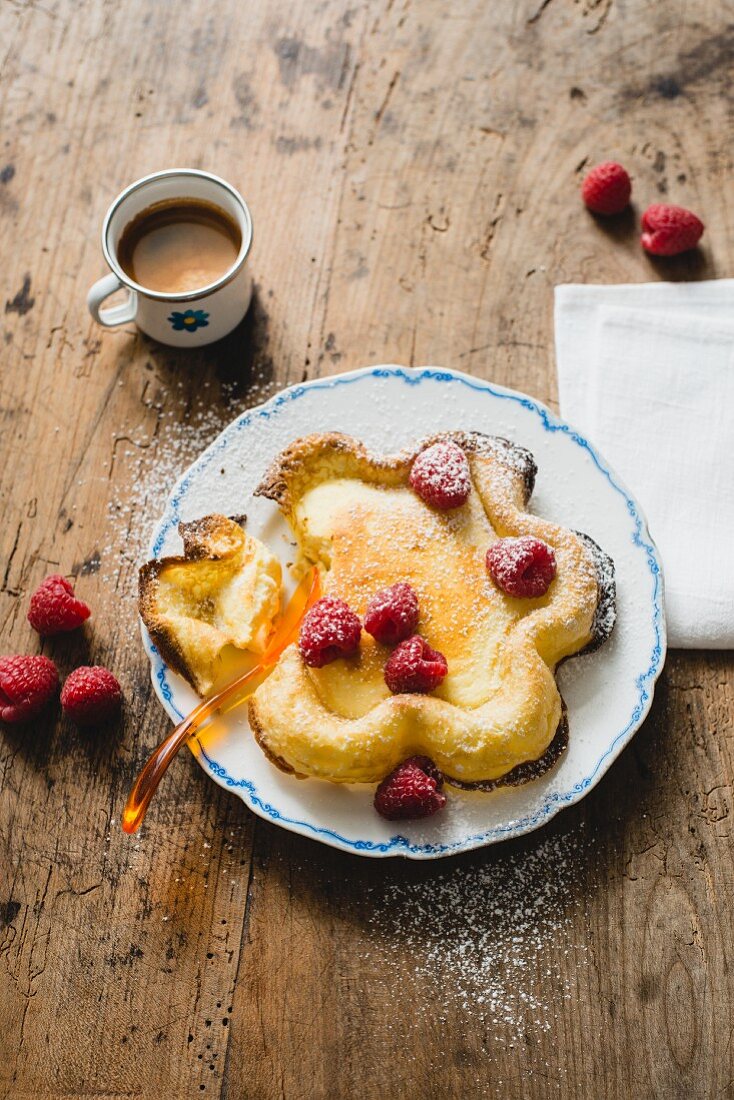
point(412, 169)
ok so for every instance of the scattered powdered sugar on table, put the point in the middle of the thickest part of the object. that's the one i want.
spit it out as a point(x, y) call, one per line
point(496, 936)
point(153, 464)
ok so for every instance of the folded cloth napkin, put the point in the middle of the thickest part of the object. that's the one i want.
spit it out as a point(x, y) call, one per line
point(647, 373)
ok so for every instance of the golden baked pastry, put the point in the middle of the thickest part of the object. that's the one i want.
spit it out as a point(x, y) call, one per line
point(498, 715)
point(224, 590)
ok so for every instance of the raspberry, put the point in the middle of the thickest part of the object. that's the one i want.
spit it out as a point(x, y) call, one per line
point(426, 765)
point(411, 790)
point(392, 614)
point(522, 566)
point(54, 607)
point(27, 684)
point(440, 475)
point(329, 630)
point(91, 694)
point(415, 667)
point(668, 230)
point(607, 188)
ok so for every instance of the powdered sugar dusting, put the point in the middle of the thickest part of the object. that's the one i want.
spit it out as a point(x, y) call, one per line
point(523, 567)
point(497, 937)
point(153, 462)
point(329, 630)
point(440, 475)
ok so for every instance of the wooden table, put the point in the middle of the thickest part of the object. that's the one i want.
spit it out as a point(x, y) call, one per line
point(412, 169)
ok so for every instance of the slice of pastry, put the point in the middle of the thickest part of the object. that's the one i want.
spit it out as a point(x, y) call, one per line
point(497, 716)
point(224, 590)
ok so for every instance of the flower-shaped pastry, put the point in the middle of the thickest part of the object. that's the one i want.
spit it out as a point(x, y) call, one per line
point(497, 716)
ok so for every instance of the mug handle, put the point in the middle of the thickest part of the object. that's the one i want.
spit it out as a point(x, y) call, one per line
point(115, 315)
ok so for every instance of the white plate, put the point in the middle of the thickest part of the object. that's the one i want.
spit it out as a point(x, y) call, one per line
point(608, 693)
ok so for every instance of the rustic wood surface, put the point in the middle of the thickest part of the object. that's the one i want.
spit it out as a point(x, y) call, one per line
point(412, 169)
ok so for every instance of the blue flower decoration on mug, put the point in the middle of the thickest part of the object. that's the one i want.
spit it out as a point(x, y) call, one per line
point(189, 321)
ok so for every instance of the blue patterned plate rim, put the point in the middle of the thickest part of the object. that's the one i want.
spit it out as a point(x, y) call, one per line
point(399, 845)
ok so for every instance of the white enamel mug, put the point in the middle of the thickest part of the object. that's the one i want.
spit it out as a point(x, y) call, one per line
point(182, 320)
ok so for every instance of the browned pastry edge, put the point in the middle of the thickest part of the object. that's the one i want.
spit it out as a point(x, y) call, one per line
point(289, 463)
point(279, 762)
point(529, 769)
point(193, 535)
point(521, 773)
point(605, 615)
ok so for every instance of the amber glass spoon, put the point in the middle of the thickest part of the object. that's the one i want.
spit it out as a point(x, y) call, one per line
point(304, 597)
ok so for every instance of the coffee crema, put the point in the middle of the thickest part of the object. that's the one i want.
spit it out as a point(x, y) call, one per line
point(179, 245)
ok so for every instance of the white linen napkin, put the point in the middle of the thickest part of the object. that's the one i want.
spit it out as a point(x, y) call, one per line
point(647, 373)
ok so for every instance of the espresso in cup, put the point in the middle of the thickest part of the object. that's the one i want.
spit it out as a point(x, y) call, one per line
point(178, 242)
point(179, 245)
